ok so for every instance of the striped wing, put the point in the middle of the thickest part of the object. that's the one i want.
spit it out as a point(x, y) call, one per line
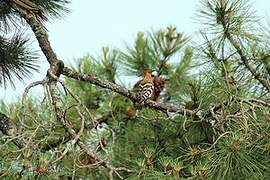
point(146, 90)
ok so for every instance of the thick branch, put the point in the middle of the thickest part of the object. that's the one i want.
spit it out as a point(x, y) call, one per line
point(42, 37)
point(72, 132)
point(127, 93)
point(46, 48)
point(10, 129)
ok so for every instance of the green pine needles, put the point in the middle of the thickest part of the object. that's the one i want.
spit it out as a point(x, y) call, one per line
point(224, 80)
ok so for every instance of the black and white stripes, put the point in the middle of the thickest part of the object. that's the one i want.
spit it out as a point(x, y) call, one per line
point(145, 90)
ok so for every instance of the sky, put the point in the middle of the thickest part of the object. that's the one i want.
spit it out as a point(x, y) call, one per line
point(93, 24)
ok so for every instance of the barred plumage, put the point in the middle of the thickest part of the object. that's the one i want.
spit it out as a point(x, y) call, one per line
point(146, 87)
point(146, 90)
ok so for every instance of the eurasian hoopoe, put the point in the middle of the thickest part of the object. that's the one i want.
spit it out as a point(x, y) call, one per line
point(159, 84)
point(146, 87)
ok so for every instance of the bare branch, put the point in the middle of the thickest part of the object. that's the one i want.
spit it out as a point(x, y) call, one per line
point(41, 35)
point(127, 93)
point(76, 138)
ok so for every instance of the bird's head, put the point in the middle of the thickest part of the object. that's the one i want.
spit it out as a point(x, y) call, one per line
point(149, 72)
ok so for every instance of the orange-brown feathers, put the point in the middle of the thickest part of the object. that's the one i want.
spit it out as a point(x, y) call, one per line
point(159, 85)
point(148, 75)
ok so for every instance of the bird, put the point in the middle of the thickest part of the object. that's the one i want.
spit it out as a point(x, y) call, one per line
point(145, 87)
point(29, 6)
point(159, 84)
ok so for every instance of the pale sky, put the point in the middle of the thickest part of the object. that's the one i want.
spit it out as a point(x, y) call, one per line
point(93, 24)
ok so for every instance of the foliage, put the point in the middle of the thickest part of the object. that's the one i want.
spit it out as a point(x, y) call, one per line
point(16, 58)
point(215, 79)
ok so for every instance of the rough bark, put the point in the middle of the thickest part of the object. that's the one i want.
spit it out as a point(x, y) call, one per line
point(127, 93)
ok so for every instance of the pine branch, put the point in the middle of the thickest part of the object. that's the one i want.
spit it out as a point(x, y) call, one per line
point(54, 144)
point(54, 8)
point(41, 36)
point(233, 18)
point(16, 59)
point(6, 17)
point(55, 65)
point(96, 160)
point(127, 93)
point(56, 69)
point(10, 129)
point(244, 59)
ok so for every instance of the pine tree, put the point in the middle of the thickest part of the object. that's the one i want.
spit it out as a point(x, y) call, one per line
point(209, 118)
point(17, 59)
